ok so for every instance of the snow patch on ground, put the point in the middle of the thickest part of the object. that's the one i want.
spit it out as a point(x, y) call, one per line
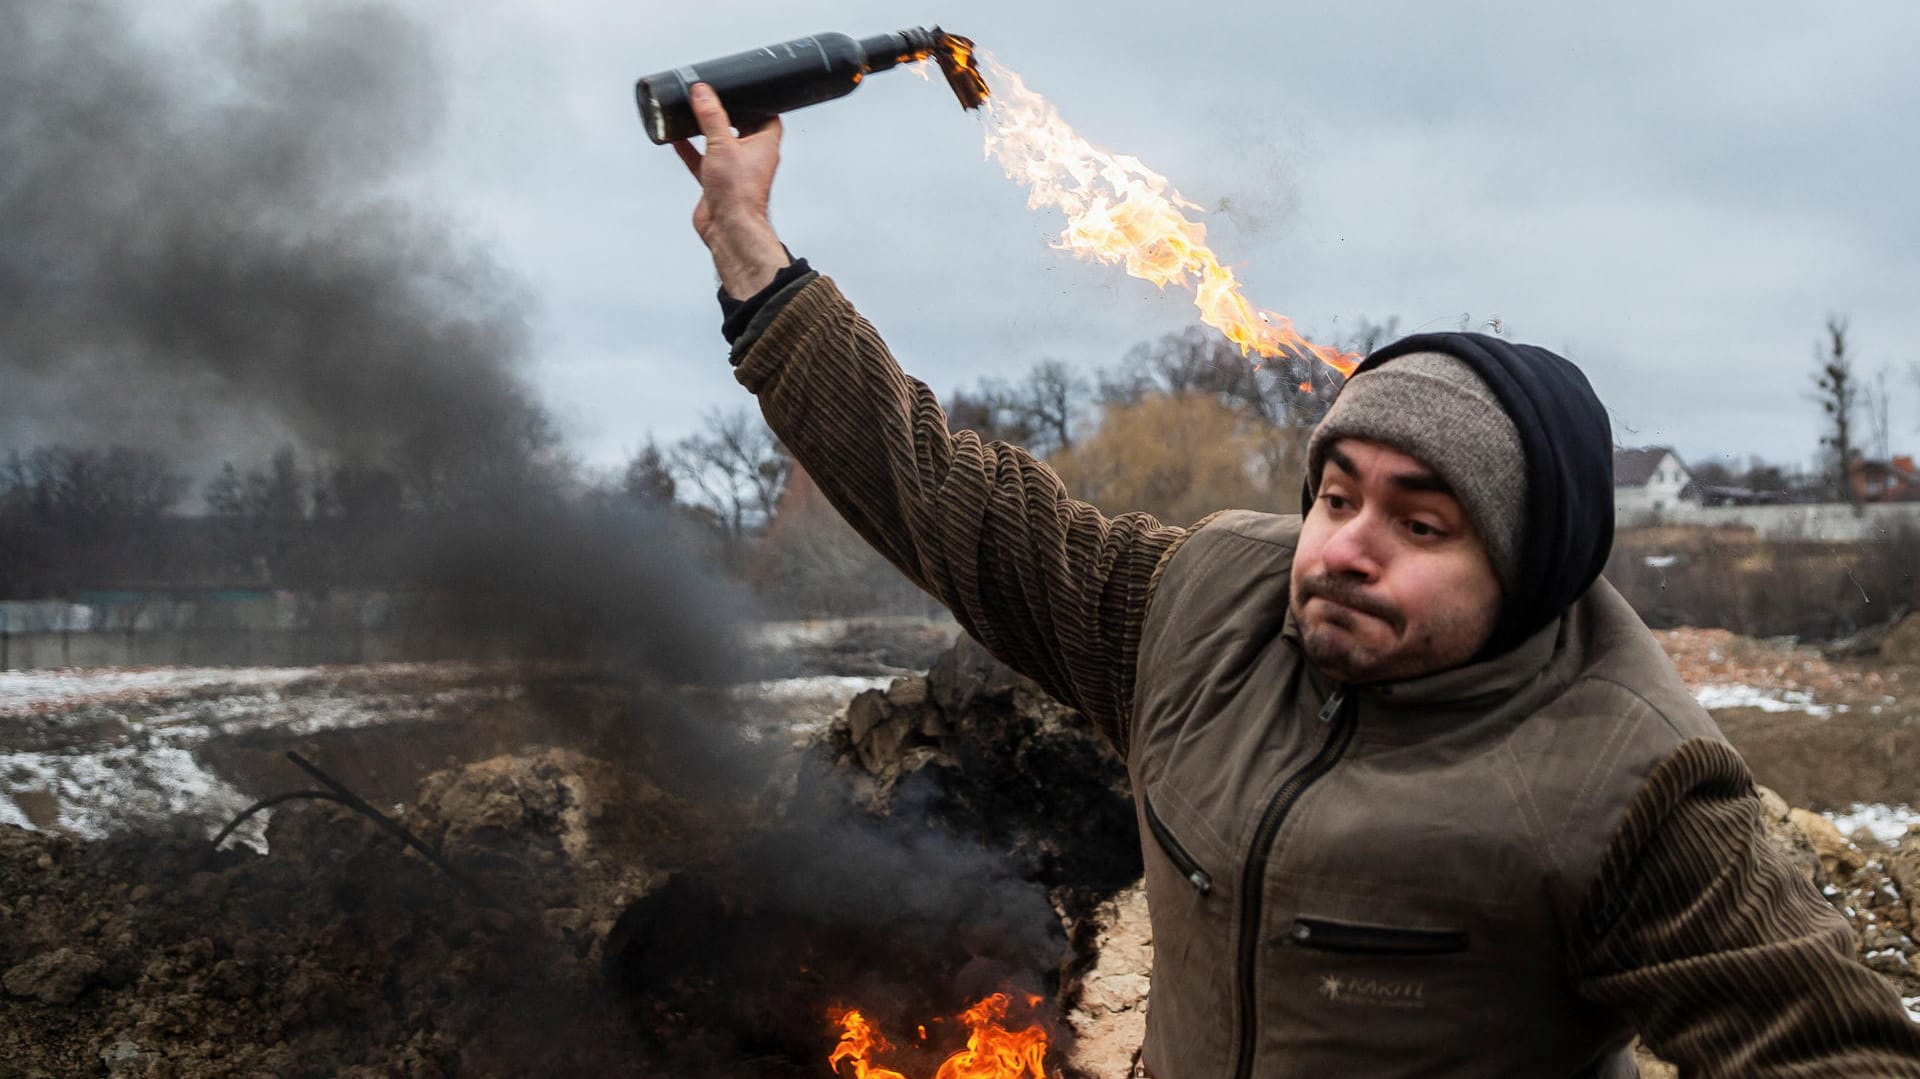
point(1913, 1007)
point(781, 636)
point(297, 716)
point(137, 758)
point(1885, 823)
point(1767, 700)
point(23, 692)
point(92, 752)
point(93, 794)
point(799, 708)
point(838, 688)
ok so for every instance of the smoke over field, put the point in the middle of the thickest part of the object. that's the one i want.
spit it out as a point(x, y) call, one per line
point(210, 252)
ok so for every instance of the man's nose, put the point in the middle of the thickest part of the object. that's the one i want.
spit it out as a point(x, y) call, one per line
point(1353, 549)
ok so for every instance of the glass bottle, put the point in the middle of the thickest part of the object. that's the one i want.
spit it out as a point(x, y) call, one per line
point(764, 82)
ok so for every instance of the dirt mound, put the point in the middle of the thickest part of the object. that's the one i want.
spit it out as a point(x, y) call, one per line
point(1718, 657)
point(595, 922)
point(338, 953)
point(1902, 643)
point(1827, 732)
point(602, 922)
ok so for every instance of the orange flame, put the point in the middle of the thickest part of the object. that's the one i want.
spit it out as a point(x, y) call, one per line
point(858, 1040)
point(1120, 211)
point(992, 1052)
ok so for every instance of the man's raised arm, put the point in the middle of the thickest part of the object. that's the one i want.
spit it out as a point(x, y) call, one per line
point(1046, 582)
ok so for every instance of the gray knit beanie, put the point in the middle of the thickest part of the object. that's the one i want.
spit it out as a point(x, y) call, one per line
point(1435, 408)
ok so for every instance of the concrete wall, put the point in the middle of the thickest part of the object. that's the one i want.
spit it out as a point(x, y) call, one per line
point(220, 647)
point(1832, 521)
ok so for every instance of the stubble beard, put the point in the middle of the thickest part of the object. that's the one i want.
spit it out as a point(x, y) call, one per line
point(1331, 642)
point(1330, 636)
point(1330, 645)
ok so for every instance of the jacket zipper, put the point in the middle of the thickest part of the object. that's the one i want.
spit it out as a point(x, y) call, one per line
point(1177, 854)
point(1331, 936)
point(1337, 712)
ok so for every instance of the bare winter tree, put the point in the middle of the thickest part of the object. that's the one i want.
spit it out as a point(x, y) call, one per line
point(989, 411)
point(1764, 478)
point(260, 522)
point(360, 518)
point(649, 476)
point(1053, 394)
point(1368, 334)
point(1199, 360)
point(70, 517)
point(1714, 473)
point(1837, 393)
point(734, 469)
point(1878, 410)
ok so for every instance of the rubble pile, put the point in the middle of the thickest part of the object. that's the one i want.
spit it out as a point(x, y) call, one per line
point(980, 750)
point(1718, 657)
point(1830, 733)
point(1108, 1013)
point(1875, 884)
point(983, 752)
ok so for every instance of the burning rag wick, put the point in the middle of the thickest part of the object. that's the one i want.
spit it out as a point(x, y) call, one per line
point(992, 1052)
point(1120, 211)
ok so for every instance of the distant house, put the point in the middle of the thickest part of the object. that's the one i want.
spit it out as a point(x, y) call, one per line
point(1884, 481)
point(1646, 482)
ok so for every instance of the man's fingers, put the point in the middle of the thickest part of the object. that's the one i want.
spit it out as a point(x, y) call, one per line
point(762, 129)
point(689, 156)
point(711, 117)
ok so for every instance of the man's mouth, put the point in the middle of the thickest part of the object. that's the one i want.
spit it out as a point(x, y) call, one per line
point(1341, 616)
point(1345, 602)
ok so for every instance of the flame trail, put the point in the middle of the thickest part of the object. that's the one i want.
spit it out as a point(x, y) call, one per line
point(1120, 211)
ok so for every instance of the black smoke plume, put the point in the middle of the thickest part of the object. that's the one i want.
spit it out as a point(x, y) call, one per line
point(209, 250)
point(216, 246)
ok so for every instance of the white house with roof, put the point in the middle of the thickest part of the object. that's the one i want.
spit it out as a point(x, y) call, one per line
point(1646, 482)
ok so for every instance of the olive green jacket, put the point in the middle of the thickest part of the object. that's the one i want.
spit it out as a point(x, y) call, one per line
point(1501, 870)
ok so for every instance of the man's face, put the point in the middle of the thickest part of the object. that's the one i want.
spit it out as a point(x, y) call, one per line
point(1391, 581)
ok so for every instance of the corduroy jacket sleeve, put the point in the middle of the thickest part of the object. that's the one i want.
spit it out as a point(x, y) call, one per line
point(1726, 960)
point(1049, 584)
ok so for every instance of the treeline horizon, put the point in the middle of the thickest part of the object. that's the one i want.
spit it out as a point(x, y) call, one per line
point(1180, 426)
point(1183, 420)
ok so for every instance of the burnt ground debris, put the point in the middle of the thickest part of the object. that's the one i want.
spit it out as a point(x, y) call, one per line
point(701, 923)
point(661, 911)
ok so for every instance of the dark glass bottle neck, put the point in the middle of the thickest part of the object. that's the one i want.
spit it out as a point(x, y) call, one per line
point(884, 51)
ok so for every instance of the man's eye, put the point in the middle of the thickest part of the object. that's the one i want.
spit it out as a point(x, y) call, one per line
point(1423, 530)
point(1333, 501)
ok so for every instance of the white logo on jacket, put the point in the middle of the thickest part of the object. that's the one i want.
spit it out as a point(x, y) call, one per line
point(1377, 992)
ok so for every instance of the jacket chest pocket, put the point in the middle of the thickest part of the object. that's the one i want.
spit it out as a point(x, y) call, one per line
point(1384, 987)
point(1184, 862)
point(1190, 888)
point(1359, 938)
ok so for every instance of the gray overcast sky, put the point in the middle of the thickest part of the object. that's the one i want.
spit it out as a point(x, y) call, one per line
point(1673, 194)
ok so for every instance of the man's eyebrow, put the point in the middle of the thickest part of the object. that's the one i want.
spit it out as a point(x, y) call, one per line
point(1424, 480)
